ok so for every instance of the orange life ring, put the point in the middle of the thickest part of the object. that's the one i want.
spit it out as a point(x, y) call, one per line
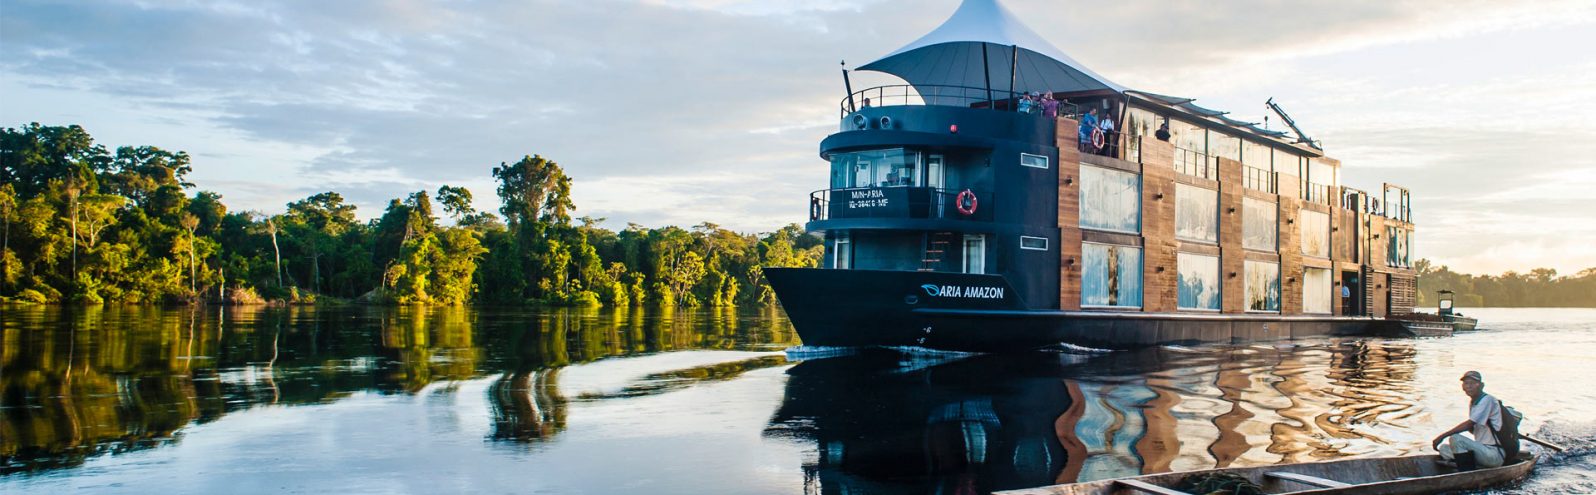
point(966, 196)
point(1098, 137)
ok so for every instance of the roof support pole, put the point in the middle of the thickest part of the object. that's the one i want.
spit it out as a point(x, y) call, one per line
point(848, 85)
point(986, 70)
point(1014, 69)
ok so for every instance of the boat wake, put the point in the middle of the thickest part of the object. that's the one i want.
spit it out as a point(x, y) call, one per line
point(1068, 348)
point(1571, 471)
point(805, 352)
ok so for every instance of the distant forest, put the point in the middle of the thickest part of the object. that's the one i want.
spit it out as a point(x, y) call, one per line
point(1541, 287)
point(87, 225)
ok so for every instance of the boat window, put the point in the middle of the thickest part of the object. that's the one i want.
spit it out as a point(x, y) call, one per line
point(1110, 200)
point(1111, 276)
point(875, 168)
point(1260, 226)
point(1316, 293)
point(1315, 229)
point(1188, 136)
point(1263, 286)
point(934, 173)
point(1196, 213)
point(1033, 243)
point(1140, 124)
point(1256, 155)
point(1321, 172)
point(1398, 245)
point(975, 253)
point(1223, 145)
point(1197, 281)
point(1033, 161)
point(842, 252)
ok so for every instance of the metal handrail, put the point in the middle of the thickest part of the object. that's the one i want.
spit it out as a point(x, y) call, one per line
point(939, 204)
point(1260, 179)
point(939, 95)
point(1196, 163)
point(1317, 193)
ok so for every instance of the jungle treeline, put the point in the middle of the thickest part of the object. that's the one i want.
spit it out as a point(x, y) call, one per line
point(1540, 288)
point(87, 225)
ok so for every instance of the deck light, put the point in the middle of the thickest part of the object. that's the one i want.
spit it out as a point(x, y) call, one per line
point(953, 128)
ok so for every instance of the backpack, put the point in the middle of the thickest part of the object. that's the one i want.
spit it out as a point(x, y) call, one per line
point(1507, 436)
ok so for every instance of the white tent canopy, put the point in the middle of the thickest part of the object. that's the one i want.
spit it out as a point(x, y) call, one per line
point(951, 55)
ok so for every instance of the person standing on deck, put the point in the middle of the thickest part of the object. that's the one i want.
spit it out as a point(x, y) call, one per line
point(1049, 105)
point(1088, 122)
point(1485, 417)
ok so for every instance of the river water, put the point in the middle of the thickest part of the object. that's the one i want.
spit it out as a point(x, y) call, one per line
point(384, 400)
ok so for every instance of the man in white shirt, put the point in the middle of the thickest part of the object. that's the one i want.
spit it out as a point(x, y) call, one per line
point(1485, 416)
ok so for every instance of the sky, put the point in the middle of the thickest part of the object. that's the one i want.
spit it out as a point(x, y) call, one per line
point(678, 112)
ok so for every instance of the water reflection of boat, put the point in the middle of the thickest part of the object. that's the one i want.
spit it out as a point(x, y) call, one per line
point(1383, 476)
point(995, 422)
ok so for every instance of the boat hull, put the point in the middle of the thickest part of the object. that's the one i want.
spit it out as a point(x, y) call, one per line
point(1461, 323)
point(1383, 476)
point(968, 312)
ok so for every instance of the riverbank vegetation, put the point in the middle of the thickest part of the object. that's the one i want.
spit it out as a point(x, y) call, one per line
point(87, 225)
point(1540, 288)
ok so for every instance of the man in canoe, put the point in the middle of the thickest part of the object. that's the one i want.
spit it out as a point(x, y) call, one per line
point(1485, 417)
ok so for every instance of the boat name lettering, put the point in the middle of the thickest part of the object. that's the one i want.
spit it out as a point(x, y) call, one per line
point(935, 290)
point(867, 198)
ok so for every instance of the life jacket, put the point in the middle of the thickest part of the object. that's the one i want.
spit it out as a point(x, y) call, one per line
point(1507, 436)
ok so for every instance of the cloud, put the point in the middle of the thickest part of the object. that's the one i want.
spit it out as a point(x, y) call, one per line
point(681, 111)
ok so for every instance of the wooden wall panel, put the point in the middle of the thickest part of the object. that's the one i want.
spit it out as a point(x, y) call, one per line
point(1069, 214)
point(1158, 227)
point(1232, 259)
point(1290, 246)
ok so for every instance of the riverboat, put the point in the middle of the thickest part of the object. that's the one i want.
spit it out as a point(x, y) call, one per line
point(1447, 309)
point(978, 207)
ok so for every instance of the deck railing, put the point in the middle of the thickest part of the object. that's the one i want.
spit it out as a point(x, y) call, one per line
point(1196, 163)
point(1260, 180)
point(1317, 193)
point(946, 96)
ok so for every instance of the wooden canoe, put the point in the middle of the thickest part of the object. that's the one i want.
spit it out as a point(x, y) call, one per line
point(1384, 475)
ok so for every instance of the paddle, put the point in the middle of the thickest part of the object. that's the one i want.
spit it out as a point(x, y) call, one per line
point(1542, 443)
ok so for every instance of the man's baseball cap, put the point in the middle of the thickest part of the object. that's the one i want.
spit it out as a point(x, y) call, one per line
point(1473, 374)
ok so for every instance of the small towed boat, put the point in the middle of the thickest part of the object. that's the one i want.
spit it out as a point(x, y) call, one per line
point(1384, 475)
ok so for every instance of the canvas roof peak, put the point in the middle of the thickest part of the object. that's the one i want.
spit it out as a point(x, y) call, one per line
point(952, 55)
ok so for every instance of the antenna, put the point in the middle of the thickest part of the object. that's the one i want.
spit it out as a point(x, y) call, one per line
point(848, 85)
point(1301, 137)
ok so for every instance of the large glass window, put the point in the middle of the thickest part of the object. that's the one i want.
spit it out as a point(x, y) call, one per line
point(1224, 145)
point(1112, 275)
point(1256, 155)
point(1140, 125)
point(875, 168)
point(1316, 295)
point(975, 253)
point(1260, 225)
point(1198, 281)
point(1263, 286)
point(1110, 200)
point(1315, 228)
point(1196, 213)
point(1398, 247)
point(1320, 172)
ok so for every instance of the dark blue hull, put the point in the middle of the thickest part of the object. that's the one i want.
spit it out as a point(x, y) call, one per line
point(965, 312)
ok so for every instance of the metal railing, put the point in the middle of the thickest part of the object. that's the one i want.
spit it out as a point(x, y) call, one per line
point(946, 96)
point(1259, 179)
point(1195, 163)
point(901, 202)
point(1317, 193)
